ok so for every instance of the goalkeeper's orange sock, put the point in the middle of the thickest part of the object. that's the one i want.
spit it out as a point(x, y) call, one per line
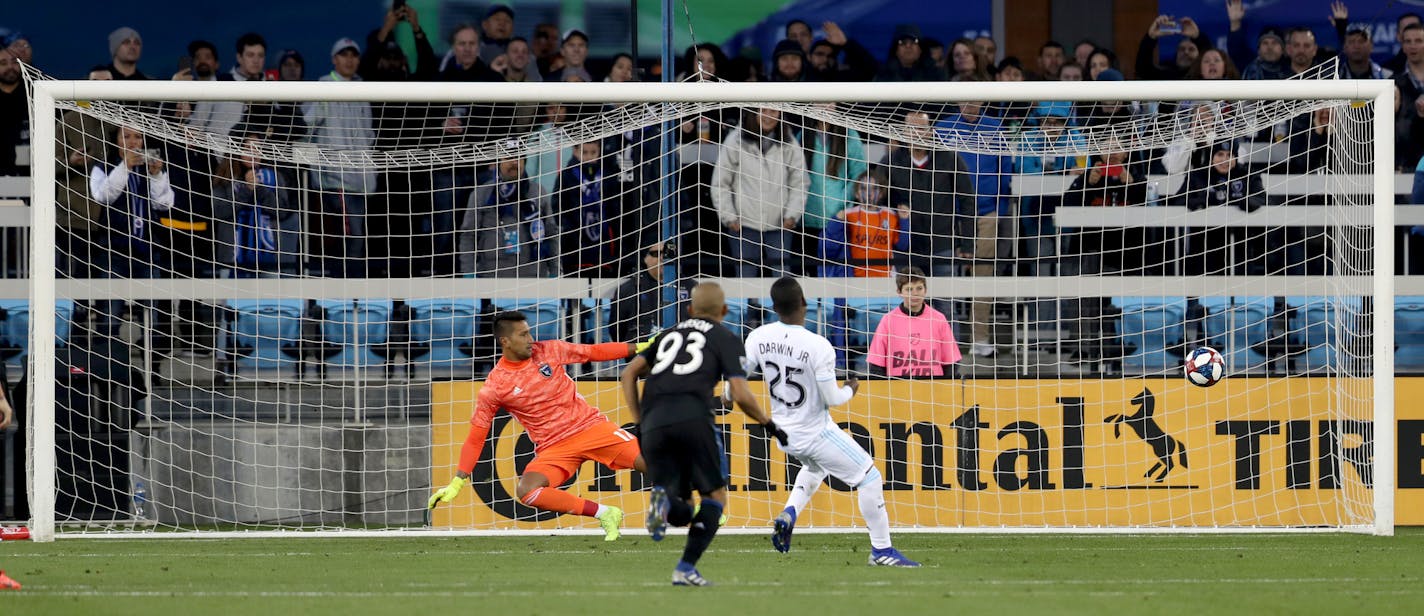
point(554, 499)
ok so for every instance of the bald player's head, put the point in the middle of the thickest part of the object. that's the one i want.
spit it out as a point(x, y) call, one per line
point(708, 302)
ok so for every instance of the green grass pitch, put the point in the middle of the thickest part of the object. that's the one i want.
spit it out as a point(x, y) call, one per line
point(824, 574)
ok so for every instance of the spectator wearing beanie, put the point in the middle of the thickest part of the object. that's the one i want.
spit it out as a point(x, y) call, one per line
point(497, 29)
point(125, 50)
point(907, 60)
point(788, 62)
point(291, 66)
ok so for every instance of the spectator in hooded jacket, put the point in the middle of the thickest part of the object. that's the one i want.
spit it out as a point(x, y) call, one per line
point(587, 209)
point(907, 59)
point(340, 225)
point(759, 191)
point(788, 62)
point(1225, 182)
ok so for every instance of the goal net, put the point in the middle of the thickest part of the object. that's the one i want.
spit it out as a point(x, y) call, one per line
point(271, 302)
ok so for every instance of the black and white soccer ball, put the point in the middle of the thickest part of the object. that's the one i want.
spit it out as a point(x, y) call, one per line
point(1205, 367)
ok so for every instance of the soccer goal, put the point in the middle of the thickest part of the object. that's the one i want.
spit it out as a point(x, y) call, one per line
point(271, 301)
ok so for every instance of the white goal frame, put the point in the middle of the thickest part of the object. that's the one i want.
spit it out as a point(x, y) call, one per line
point(1381, 285)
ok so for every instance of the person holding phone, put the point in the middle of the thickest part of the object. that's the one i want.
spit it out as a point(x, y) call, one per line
point(135, 190)
point(1192, 44)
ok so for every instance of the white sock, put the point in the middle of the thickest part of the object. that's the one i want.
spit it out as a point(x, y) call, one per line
point(807, 481)
point(872, 508)
point(601, 509)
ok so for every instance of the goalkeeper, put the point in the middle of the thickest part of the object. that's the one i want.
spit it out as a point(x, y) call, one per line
point(530, 382)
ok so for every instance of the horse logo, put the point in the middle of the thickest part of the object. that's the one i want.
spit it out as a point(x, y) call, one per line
point(1147, 429)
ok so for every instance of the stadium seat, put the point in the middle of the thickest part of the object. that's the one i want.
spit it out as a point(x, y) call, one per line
point(264, 337)
point(1153, 328)
point(545, 315)
point(15, 329)
point(352, 330)
point(442, 336)
point(1409, 334)
point(742, 317)
point(595, 316)
point(1239, 327)
point(864, 317)
point(1310, 332)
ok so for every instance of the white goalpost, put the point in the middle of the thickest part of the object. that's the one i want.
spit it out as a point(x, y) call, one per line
point(299, 354)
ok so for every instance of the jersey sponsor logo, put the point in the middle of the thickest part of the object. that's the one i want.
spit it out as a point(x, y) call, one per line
point(517, 390)
point(546, 370)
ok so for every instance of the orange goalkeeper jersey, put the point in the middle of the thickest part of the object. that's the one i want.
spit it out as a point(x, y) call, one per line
point(540, 394)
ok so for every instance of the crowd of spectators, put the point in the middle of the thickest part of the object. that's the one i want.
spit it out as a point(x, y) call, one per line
point(784, 194)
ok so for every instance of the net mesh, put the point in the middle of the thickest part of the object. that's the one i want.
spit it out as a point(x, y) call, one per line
point(277, 315)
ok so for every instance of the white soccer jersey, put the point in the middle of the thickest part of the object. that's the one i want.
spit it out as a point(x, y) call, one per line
point(793, 361)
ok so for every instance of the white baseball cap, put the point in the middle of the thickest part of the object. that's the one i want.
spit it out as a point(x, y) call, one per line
point(343, 45)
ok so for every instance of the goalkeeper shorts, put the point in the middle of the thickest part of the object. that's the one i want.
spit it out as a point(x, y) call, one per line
point(603, 442)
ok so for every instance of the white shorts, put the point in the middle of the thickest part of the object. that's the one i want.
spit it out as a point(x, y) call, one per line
point(835, 453)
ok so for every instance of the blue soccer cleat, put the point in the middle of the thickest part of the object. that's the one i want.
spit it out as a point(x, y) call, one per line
point(890, 557)
point(781, 529)
point(688, 576)
point(657, 514)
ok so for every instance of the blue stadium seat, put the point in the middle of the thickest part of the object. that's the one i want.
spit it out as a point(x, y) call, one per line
point(818, 314)
point(1310, 330)
point(15, 329)
point(596, 315)
point(442, 335)
point(1409, 334)
point(865, 317)
point(1154, 328)
point(545, 315)
point(1239, 326)
point(264, 336)
point(351, 330)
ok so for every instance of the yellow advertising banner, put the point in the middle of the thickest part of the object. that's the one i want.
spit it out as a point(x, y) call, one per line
point(986, 453)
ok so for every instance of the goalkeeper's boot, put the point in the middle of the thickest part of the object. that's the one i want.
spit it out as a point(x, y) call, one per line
point(611, 519)
point(657, 514)
point(781, 529)
point(687, 575)
point(721, 521)
point(7, 582)
point(890, 557)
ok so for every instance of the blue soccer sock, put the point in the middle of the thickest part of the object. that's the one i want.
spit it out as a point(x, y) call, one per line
point(703, 529)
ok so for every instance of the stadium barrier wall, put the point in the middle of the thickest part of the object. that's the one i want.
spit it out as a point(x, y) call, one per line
point(973, 453)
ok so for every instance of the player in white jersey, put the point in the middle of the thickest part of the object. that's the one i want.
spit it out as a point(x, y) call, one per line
point(800, 371)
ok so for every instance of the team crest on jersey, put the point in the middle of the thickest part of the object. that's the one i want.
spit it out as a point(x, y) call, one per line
point(546, 370)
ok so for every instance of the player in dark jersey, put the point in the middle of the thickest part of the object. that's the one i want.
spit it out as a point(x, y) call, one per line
point(675, 421)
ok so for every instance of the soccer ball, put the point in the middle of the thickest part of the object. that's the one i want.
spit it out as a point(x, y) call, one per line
point(1205, 367)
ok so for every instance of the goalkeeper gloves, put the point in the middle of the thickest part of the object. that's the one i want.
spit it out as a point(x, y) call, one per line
point(447, 493)
point(775, 431)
